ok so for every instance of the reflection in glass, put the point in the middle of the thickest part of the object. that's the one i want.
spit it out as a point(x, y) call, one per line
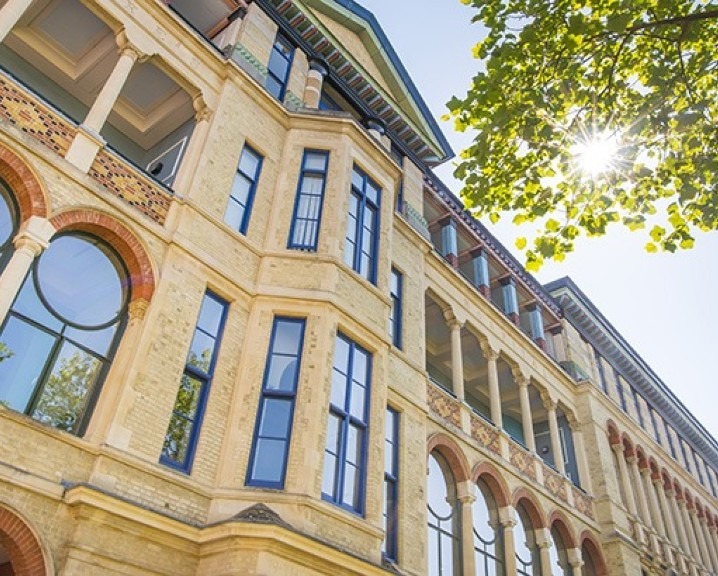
point(443, 516)
point(8, 224)
point(559, 555)
point(528, 561)
point(59, 337)
point(488, 541)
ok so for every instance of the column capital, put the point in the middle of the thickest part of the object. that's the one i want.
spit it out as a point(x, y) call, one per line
point(549, 403)
point(520, 378)
point(128, 48)
point(491, 354)
point(575, 557)
point(34, 234)
point(507, 517)
point(617, 447)
point(137, 309)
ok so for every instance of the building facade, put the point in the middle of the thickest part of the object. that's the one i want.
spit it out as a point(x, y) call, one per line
point(244, 330)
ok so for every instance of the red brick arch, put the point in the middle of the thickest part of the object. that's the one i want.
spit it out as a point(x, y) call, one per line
point(25, 185)
point(558, 520)
point(451, 452)
point(129, 248)
point(21, 545)
point(490, 476)
point(522, 497)
point(591, 547)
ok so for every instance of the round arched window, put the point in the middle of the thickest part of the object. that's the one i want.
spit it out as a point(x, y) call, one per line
point(62, 331)
point(8, 224)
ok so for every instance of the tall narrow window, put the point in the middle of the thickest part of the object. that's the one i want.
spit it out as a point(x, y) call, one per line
point(183, 430)
point(621, 391)
point(669, 437)
point(363, 226)
point(601, 371)
point(273, 431)
point(654, 422)
point(309, 201)
point(444, 523)
point(637, 404)
point(697, 461)
point(244, 186)
point(395, 314)
point(559, 555)
point(61, 333)
point(488, 538)
point(391, 484)
point(280, 62)
point(528, 558)
point(686, 460)
point(345, 453)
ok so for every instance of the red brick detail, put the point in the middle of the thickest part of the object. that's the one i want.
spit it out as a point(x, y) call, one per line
point(484, 434)
point(490, 476)
point(34, 117)
point(23, 183)
point(21, 545)
point(590, 548)
point(522, 497)
point(444, 445)
point(6, 570)
point(443, 405)
point(130, 186)
point(133, 254)
point(558, 520)
point(522, 460)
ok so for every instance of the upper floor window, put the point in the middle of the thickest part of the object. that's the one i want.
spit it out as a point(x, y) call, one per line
point(669, 437)
point(637, 405)
point(654, 422)
point(183, 429)
point(61, 333)
point(444, 526)
point(280, 63)
point(391, 484)
point(362, 236)
point(558, 553)
point(8, 225)
point(273, 431)
point(347, 428)
point(620, 390)
point(601, 371)
point(528, 557)
point(395, 313)
point(308, 204)
point(244, 187)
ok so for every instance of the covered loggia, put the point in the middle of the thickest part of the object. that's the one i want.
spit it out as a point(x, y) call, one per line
point(86, 68)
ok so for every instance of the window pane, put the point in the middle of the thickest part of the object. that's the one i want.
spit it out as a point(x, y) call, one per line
point(234, 216)
point(29, 304)
point(341, 355)
point(329, 475)
point(249, 163)
point(287, 337)
point(96, 340)
point(7, 218)
point(275, 418)
point(269, 460)
point(67, 390)
point(315, 161)
point(70, 258)
point(351, 486)
point(278, 64)
point(358, 402)
point(241, 188)
point(177, 439)
point(282, 373)
point(273, 86)
point(201, 350)
point(188, 396)
point(25, 350)
point(339, 389)
point(210, 315)
point(354, 445)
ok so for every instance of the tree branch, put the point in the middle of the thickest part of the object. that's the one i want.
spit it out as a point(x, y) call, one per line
point(688, 18)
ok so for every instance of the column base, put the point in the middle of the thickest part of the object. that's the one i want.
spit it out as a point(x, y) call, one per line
point(84, 148)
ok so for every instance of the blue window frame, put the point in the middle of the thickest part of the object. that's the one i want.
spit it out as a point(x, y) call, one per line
point(697, 460)
point(395, 313)
point(671, 444)
point(183, 430)
point(307, 217)
point(244, 187)
point(637, 404)
point(620, 390)
point(280, 63)
point(601, 371)
point(362, 237)
point(686, 460)
point(345, 452)
point(273, 430)
point(654, 421)
point(391, 485)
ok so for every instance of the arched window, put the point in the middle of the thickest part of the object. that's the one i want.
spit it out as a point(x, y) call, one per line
point(559, 556)
point(528, 558)
point(444, 542)
point(62, 331)
point(488, 537)
point(8, 224)
point(589, 567)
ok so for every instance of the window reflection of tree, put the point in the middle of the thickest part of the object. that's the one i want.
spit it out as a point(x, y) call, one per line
point(443, 515)
point(62, 330)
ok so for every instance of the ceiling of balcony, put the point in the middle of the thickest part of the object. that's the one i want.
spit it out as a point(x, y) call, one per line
point(70, 45)
point(205, 15)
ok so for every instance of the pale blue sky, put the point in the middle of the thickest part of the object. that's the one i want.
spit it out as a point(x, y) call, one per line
point(665, 305)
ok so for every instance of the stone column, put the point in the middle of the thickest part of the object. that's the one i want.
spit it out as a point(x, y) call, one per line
point(641, 499)
point(575, 560)
point(706, 535)
point(543, 541)
point(87, 141)
point(318, 70)
point(579, 449)
point(526, 417)
point(457, 361)
point(113, 402)
point(628, 489)
point(668, 526)
point(695, 553)
point(700, 538)
point(33, 237)
point(678, 520)
point(10, 14)
point(654, 512)
point(558, 455)
point(466, 493)
point(492, 357)
point(507, 520)
point(713, 542)
point(189, 162)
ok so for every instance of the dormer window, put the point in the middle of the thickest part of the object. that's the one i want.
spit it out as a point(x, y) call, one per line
point(280, 63)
